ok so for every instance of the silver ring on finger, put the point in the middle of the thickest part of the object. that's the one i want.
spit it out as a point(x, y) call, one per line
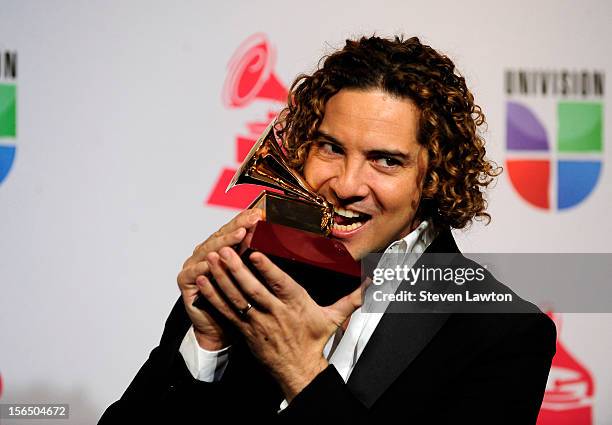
point(244, 311)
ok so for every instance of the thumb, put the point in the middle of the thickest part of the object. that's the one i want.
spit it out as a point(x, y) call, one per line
point(345, 306)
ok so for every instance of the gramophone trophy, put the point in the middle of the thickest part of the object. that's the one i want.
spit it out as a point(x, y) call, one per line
point(296, 225)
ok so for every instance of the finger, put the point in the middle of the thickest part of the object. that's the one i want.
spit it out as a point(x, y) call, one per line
point(248, 283)
point(230, 234)
point(215, 242)
point(224, 283)
point(187, 276)
point(212, 295)
point(246, 218)
point(279, 282)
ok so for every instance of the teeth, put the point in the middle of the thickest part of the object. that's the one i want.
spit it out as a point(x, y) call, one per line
point(345, 228)
point(346, 213)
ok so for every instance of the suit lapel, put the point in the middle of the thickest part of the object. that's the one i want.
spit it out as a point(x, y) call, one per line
point(396, 341)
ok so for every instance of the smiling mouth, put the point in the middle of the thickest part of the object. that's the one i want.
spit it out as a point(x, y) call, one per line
point(347, 222)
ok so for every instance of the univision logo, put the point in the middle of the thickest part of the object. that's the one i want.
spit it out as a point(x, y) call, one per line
point(8, 111)
point(554, 135)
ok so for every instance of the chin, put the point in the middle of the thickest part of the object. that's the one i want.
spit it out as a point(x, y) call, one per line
point(358, 248)
point(354, 251)
point(357, 252)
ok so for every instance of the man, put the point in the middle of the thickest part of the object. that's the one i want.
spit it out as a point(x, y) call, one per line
point(387, 132)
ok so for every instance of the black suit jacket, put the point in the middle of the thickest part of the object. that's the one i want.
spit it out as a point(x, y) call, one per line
point(417, 368)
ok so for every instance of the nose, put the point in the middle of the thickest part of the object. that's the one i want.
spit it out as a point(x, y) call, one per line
point(349, 185)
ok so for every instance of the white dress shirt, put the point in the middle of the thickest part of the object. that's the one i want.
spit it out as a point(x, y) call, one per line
point(343, 348)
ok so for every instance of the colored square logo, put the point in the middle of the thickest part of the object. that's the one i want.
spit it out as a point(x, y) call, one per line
point(8, 108)
point(580, 127)
point(579, 132)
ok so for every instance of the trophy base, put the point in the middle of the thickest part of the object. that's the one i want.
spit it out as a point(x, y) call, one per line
point(320, 265)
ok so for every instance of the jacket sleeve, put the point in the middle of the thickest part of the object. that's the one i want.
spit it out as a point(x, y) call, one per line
point(326, 399)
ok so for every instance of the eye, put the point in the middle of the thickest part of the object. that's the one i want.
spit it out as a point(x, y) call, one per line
point(387, 162)
point(329, 148)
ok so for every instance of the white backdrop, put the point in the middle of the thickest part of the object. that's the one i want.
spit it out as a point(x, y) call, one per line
point(122, 133)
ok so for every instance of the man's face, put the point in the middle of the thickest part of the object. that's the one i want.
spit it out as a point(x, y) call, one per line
point(367, 162)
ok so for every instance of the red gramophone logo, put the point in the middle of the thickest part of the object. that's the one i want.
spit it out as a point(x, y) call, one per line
point(250, 77)
point(568, 399)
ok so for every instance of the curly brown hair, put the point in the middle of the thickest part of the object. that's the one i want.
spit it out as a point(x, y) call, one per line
point(458, 172)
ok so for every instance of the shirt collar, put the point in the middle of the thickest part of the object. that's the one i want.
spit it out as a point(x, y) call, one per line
point(397, 253)
point(415, 242)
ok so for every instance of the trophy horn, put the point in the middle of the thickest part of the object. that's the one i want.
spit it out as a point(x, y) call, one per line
point(266, 165)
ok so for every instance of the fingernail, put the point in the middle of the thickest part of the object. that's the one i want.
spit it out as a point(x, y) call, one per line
point(224, 253)
point(255, 259)
point(211, 258)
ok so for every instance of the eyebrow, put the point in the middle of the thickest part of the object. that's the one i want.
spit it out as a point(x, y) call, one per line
point(404, 156)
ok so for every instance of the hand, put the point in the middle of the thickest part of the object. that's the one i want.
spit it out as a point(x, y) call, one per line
point(285, 329)
point(209, 330)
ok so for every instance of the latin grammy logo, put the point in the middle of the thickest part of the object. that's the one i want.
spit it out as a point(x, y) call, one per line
point(250, 77)
point(568, 398)
point(250, 74)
